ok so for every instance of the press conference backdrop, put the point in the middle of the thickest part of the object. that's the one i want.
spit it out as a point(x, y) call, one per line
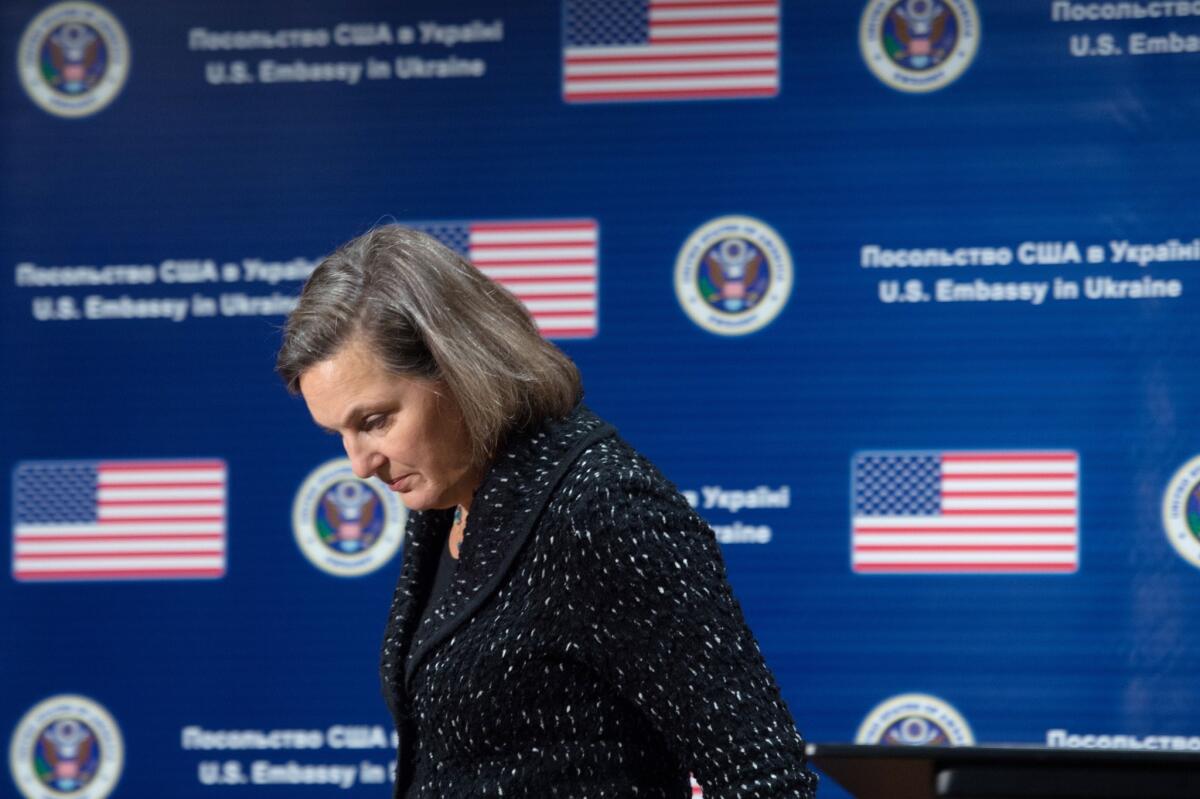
point(901, 295)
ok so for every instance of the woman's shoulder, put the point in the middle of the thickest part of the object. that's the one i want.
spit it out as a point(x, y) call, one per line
point(616, 524)
point(613, 490)
point(611, 466)
point(589, 456)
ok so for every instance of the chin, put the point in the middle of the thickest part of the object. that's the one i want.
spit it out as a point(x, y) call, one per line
point(420, 500)
point(415, 503)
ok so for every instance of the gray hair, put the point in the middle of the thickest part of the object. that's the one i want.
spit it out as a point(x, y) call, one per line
point(428, 313)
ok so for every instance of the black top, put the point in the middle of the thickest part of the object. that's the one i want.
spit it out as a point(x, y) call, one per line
point(442, 578)
point(588, 645)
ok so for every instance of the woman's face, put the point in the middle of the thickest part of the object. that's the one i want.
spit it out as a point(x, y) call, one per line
point(405, 431)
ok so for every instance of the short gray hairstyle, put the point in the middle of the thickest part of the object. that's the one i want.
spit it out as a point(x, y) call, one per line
point(428, 313)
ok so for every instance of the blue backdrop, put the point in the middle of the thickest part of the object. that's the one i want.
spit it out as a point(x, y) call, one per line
point(898, 292)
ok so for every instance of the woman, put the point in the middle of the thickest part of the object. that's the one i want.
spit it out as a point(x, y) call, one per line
point(562, 625)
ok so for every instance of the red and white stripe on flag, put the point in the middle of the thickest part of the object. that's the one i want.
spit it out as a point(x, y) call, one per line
point(694, 49)
point(995, 512)
point(551, 266)
point(136, 520)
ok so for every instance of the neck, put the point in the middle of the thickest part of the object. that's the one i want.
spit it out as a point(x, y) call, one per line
point(463, 500)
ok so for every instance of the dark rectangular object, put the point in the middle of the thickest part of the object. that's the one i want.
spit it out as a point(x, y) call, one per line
point(1007, 772)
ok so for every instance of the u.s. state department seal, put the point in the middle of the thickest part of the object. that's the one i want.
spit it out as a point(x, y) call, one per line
point(73, 59)
point(733, 275)
point(914, 720)
point(66, 747)
point(1181, 511)
point(919, 45)
point(346, 526)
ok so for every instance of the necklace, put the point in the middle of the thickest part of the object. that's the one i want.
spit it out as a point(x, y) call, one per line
point(456, 531)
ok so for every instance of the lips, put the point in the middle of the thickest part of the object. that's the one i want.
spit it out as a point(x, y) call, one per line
point(402, 483)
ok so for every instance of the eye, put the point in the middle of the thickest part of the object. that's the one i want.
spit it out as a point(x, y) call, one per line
point(374, 422)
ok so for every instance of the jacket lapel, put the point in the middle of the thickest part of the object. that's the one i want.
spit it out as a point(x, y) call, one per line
point(504, 512)
point(423, 540)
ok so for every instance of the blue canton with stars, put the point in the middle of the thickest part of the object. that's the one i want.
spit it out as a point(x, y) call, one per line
point(604, 23)
point(55, 493)
point(455, 235)
point(897, 485)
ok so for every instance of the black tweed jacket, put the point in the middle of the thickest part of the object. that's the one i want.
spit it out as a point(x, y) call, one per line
point(589, 646)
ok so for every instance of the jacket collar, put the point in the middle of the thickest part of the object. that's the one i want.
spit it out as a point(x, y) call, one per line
point(504, 512)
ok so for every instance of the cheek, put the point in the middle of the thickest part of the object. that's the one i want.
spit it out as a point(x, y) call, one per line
point(454, 451)
point(408, 447)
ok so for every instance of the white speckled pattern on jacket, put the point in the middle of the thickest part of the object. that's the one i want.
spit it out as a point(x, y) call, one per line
point(589, 647)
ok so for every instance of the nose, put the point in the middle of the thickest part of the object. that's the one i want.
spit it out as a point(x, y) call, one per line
point(364, 460)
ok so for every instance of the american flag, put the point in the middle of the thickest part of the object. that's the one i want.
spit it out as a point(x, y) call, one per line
point(619, 50)
point(118, 520)
point(550, 265)
point(1007, 511)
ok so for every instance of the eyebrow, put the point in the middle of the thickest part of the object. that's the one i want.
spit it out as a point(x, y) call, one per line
point(356, 412)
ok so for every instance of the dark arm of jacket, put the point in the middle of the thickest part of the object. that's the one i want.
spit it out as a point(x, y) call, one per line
point(657, 617)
